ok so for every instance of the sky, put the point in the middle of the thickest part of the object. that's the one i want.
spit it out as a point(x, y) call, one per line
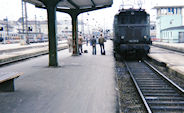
point(11, 9)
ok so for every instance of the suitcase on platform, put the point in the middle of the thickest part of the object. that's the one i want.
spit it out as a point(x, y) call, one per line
point(85, 51)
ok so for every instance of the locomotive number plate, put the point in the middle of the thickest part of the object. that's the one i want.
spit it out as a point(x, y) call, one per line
point(133, 41)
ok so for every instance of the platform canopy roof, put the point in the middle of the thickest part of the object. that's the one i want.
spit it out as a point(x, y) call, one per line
point(75, 4)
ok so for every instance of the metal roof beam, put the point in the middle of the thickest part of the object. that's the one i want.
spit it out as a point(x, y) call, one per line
point(94, 5)
point(94, 8)
point(72, 3)
point(77, 10)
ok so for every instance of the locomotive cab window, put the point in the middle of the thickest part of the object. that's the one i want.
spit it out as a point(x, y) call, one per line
point(132, 19)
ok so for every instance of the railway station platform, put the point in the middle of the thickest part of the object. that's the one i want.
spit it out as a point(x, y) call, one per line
point(174, 61)
point(16, 51)
point(19, 46)
point(172, 46)
point(81, 84)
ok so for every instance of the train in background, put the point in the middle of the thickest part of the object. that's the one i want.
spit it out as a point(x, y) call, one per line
point(16, 38)
point(131, 33)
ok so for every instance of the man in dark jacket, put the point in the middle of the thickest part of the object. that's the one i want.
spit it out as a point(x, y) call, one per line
point(93, 43)
point(1, 39)
point(101, 41)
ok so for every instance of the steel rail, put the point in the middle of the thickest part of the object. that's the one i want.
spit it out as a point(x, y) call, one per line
point(157, 92)
point(166, 78)
point(139, 90)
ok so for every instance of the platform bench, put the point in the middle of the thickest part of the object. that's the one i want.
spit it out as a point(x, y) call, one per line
point(7, 81)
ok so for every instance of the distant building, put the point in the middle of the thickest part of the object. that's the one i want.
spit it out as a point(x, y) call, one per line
point(36, 31)
point(170, 23)
point(8, 32)
point(153, 31)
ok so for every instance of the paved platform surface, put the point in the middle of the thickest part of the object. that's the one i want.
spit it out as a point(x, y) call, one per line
point(173, 60)
point(172, 46)
point(82, 84)
point(18, 46)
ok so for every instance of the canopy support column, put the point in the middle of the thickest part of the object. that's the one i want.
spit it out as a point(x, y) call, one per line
point(51, 15)
point(75, 34)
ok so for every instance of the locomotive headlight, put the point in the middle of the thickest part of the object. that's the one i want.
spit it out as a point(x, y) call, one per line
point(145, 37)
point(122, 37)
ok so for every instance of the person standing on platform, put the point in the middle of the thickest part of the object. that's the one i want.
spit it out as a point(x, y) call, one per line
point(93, 43)
point(69, 44)
point(80, 40)
point(101, 41)
point(86, 41)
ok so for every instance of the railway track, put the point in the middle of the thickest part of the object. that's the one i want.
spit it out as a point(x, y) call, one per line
point(158, 93)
